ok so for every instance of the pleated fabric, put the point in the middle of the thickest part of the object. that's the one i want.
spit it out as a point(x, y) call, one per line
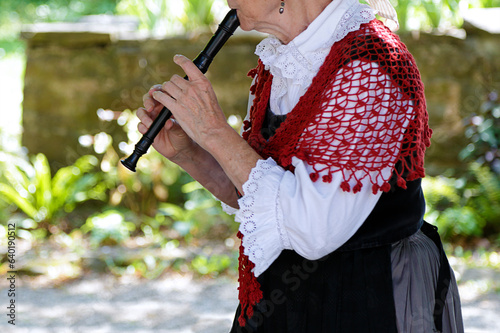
point(415, 265)
point(389, 288)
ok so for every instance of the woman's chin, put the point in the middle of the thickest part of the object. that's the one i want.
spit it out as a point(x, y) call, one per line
point(244, 24)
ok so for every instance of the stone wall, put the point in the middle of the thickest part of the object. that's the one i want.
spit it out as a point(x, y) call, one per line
point(72, 71)
point(458, 75)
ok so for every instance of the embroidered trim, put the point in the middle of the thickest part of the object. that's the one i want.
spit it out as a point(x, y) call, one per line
point(253, 258)
point(249, 214)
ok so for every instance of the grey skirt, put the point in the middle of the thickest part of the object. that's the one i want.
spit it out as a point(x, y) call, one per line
point(415, 269)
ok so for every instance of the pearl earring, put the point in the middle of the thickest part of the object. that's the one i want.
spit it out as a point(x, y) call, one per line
point(282, 7)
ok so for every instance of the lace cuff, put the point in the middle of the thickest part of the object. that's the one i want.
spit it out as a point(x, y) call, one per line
point(261, 216)
point(227, 209)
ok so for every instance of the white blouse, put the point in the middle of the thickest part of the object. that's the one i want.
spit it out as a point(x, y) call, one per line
point(284, 210)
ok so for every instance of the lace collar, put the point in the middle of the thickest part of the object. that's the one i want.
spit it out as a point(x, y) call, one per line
point(299, 61)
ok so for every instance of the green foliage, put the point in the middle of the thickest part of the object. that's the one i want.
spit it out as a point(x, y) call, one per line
point(153, 16)
point(485, 195)
point(147, 266)
point(469, 205)
point(427, 14)
point(5, 211)
point(435, 14)
point(212, 265)
point(197, 14)
point(167, 17)
point(15, 13)
point(198, 215)
point(107, 228)
point(483, 3)
point(43, 198)
point(483, 131)
point(31, 11)
point(159, 17)
point(163, 16)
point(465, 207)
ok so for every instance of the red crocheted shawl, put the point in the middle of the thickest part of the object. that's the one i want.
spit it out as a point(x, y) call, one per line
point(327, 130)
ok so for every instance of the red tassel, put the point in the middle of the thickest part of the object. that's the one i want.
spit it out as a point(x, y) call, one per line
point(345, 186)
point(251, 73)
point(386, 187)
point(249, 290)
point(401, 183)
point(314, 176)
point(357, 187)
point(246, 125)
point(327, 178)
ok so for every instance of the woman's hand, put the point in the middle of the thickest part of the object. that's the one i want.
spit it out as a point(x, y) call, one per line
point(171, 141)
point(199, 140)
point(193, 103)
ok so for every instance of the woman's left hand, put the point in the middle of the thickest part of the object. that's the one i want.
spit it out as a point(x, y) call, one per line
point(193, 103)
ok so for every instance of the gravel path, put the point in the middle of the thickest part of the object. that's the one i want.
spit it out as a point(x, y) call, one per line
point(105, 305)
point(102, 304)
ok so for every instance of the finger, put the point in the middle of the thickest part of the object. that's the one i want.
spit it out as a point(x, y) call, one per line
point(143, 116)
point(188, 67)
point(172, 89)
point(147, 98)
point(168, 125)
point(164, 98)
point(148, 102)
point(179, 81)
point(154, 88)
point(142, 128)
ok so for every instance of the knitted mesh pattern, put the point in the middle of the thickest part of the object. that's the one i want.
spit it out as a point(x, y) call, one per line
point(327, 130)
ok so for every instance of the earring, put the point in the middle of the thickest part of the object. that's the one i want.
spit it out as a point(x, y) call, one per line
point(282, 7)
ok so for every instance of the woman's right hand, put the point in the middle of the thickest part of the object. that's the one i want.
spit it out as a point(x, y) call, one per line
point(172, 142)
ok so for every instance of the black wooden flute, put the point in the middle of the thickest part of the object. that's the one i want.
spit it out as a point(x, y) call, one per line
point(226, 28)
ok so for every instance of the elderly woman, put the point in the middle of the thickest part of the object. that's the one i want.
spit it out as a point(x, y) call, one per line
point(326, 178)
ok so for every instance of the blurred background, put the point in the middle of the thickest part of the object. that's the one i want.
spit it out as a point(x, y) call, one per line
point(72, 74)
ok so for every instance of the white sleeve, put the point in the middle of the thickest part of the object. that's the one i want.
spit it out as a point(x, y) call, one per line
point(285, 210)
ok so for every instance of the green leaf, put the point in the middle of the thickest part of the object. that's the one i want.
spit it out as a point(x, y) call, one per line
point(12, 196)
point(174, 211)
point(43, 183)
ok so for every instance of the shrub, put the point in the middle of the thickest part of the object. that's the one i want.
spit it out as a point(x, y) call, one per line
point(466, 207)
point(43, 198)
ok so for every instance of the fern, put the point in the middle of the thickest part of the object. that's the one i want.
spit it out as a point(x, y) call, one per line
point(32, 189)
